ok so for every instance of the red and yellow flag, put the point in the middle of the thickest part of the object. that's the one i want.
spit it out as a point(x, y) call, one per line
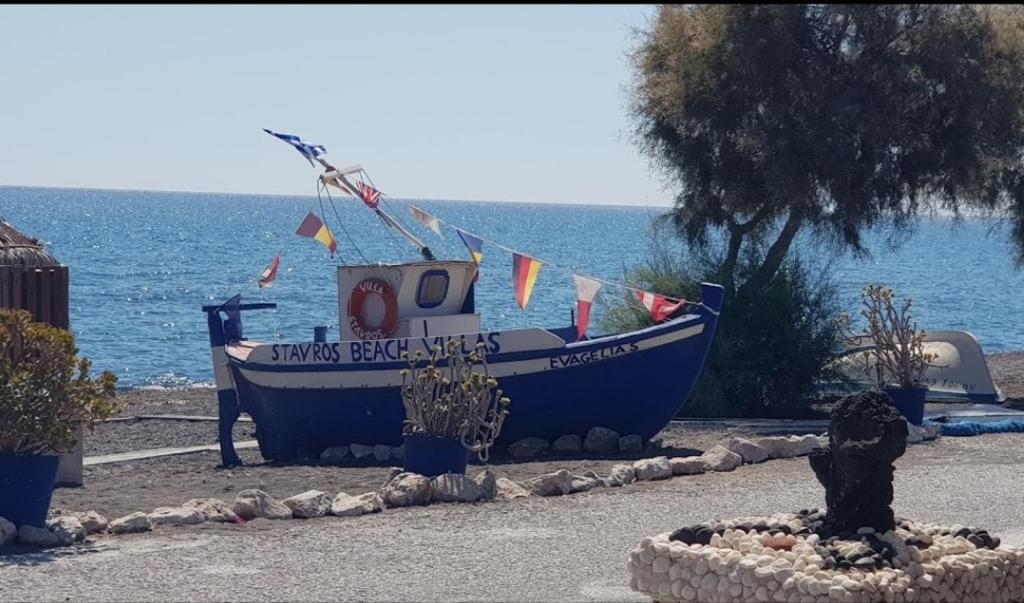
point(524, 276)
point(313, 228)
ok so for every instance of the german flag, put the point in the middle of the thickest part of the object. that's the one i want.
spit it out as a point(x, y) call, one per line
point(524, 276)
point(313, 228)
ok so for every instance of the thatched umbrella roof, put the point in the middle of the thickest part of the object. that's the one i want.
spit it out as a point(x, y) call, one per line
point(18, 250)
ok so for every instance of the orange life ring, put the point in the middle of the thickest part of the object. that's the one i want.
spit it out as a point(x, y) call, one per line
point(356, 320)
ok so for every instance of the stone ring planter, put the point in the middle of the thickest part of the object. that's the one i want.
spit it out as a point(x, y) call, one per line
point(725, 561)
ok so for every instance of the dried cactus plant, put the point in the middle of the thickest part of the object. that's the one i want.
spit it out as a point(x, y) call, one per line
point(899, 355)
point(460, 400)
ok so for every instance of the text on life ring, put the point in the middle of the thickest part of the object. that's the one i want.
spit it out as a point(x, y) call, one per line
point(357, 319)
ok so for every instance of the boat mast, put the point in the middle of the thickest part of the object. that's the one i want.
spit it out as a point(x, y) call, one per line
point(335, 173)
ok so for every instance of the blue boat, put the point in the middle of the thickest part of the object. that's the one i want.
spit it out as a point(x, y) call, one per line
point(307, 396)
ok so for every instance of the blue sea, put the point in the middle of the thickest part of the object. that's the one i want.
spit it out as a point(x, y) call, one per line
point(142, 263)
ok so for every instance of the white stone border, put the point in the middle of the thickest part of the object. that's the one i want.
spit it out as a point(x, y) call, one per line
point(408, 489)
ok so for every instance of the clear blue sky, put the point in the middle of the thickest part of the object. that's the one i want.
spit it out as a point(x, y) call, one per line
point(520, 103)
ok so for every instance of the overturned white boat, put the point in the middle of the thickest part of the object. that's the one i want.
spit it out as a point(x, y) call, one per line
point(958, 373)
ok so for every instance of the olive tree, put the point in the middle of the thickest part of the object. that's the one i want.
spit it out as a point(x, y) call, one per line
point(773, 119)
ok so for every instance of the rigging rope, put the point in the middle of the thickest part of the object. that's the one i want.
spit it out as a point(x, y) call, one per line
point(340, 222)
point(558, 266)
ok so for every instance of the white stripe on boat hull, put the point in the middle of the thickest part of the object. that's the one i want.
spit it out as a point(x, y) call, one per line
point(391, 377)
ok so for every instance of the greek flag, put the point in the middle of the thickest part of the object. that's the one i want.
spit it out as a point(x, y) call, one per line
point(309, 151)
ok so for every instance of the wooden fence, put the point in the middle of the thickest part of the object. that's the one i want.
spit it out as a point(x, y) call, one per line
point(42, 291)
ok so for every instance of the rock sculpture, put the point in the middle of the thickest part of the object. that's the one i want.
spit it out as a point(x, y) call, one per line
point(866, 435)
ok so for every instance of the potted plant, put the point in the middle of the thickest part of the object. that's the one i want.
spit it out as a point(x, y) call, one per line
point(44, 390)
point(452, 408)
point(898, 354)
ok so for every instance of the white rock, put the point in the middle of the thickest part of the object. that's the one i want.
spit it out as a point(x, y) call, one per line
point(67, 529)
point(212, 509)
point(652, 469)
point(8, 532)
point(620, 476)
point(407, 489)
point(582, 483)
point(250, 504)
point(371, 501)
point(601, 439)
point(567, 443)
point(631, 443)
point(719, 458)
point(33, 536)
point(344, 505)
point(92, 521)
point(687, 465)
point(382, 452)
point(176, 516)
point(361, 451)
point(508, 489)
point(488, 483)
point(334, 454)
point(527, 448)
point(455, 487)
point(551, 484)
point(750, 451)
point(311, 503)
point(135, 522)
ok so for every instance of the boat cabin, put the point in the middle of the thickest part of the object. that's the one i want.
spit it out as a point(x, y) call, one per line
point(396, 301)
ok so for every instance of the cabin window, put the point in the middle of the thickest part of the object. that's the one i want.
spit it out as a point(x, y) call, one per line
point(432, 289)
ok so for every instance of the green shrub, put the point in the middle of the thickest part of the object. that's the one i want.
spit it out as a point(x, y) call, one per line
point(771, 346)
point(45, 387)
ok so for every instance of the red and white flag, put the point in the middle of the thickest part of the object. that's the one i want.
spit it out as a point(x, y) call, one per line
point(586, 290)
point(658, 305)
point(270, 272)
point(369, 195)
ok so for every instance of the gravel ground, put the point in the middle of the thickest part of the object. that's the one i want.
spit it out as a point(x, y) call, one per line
point(572, 548)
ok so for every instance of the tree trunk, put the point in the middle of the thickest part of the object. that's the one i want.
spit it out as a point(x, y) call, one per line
point(731, 258)
point(776, 253)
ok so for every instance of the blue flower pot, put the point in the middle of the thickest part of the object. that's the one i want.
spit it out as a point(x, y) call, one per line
point(26, 484)
point(432, 456)
point(910, 402)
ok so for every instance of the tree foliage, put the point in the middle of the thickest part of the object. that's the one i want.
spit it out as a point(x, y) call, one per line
point(769, 351)
point(45, 388)
point(774, 118)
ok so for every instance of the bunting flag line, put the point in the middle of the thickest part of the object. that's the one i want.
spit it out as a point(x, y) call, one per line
point(474, 244)
point(269, 274)
point(313, 228)
point(658, 305)
point(426, 219)
point(524, 276)
point(309, 151)
point(586, 290)
point(369, 195)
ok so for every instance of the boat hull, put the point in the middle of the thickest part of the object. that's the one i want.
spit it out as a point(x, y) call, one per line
point(632, 383)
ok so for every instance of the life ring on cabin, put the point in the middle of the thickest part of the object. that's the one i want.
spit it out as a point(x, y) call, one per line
point(356, 301)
